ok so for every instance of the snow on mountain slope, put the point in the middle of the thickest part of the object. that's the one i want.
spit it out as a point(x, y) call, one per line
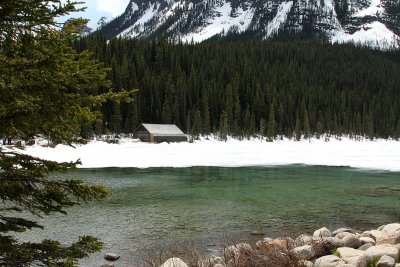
point(138, 26)
point(278, 21)
point(375, 8)
point(222, 22)
point(371, 22)
point(382, 36)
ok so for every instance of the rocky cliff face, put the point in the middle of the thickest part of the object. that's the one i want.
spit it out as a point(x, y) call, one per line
point(375, 22)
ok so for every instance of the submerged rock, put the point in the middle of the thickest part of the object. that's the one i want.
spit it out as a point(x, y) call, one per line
point(111, 256)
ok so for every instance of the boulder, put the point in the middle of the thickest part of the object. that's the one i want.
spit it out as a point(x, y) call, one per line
point(111, 256)
point(380, 227)
point(329, 261)
point(174, 262)
point(392, 230)
point(353, 256)
point(381, 250)
point(365, 240)
point(365, 246)
point(390, 241)
point(378, 235)
point(351, 240)
point(333, 242)
point(303, 240)
point(322, 232)
point(385, 261)
point(305, 252)
point(279, 243)
point(343, 230)
point(342, 235)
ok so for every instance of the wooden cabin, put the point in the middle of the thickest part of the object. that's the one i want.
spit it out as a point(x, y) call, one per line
point(158, 133)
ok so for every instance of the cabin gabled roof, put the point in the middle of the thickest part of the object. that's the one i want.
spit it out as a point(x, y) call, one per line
point(164, 129)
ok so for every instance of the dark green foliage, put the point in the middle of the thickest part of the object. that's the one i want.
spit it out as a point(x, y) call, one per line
point(271, 130)
point(223, 127)
point(197, 125)
point(315, 87)
point(25, 186)
point(46, 87)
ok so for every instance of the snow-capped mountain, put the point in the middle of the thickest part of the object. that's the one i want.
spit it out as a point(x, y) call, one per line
point(375, 22)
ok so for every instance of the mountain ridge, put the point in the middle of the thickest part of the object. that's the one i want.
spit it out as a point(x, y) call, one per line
point(372, 22)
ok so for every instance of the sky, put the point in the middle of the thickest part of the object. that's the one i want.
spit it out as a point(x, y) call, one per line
point(99, 8)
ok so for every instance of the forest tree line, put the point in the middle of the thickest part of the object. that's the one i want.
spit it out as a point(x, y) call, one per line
point(247, 88)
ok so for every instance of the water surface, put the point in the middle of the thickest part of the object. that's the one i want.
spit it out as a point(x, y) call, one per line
point(151, 209)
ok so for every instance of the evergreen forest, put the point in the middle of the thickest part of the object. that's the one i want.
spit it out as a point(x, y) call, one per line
point(296, 89)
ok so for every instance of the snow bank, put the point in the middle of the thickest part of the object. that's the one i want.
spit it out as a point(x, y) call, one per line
point(378, 154)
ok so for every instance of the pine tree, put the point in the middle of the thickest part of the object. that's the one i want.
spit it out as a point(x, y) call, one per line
point(116, 120)
point(132, 119)
point(45, 87)
point(263, 126)
point(206, 115)
point(306, 128)
point(247, 123)
point(197, 125)
point(319, 129)
point(174, 78)
point(98, 126)
point(271, 131)
point(237, 127)
point(223, 127)
point(297, 129)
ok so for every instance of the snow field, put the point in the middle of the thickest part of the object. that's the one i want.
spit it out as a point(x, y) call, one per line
point(377, 154)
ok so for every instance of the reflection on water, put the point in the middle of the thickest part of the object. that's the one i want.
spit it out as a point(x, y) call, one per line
point(154, 208)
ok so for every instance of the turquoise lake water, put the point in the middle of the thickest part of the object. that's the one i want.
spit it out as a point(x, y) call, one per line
point(152, 209)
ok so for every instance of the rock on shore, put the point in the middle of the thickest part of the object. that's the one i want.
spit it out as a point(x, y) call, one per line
point(325, 248)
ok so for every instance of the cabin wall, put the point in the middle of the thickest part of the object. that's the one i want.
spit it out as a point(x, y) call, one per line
point(170, 139)
point(142, 135)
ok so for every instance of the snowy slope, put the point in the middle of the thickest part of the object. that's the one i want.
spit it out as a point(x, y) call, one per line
point(360, 21)
point(222, 23)
point(382, 36)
